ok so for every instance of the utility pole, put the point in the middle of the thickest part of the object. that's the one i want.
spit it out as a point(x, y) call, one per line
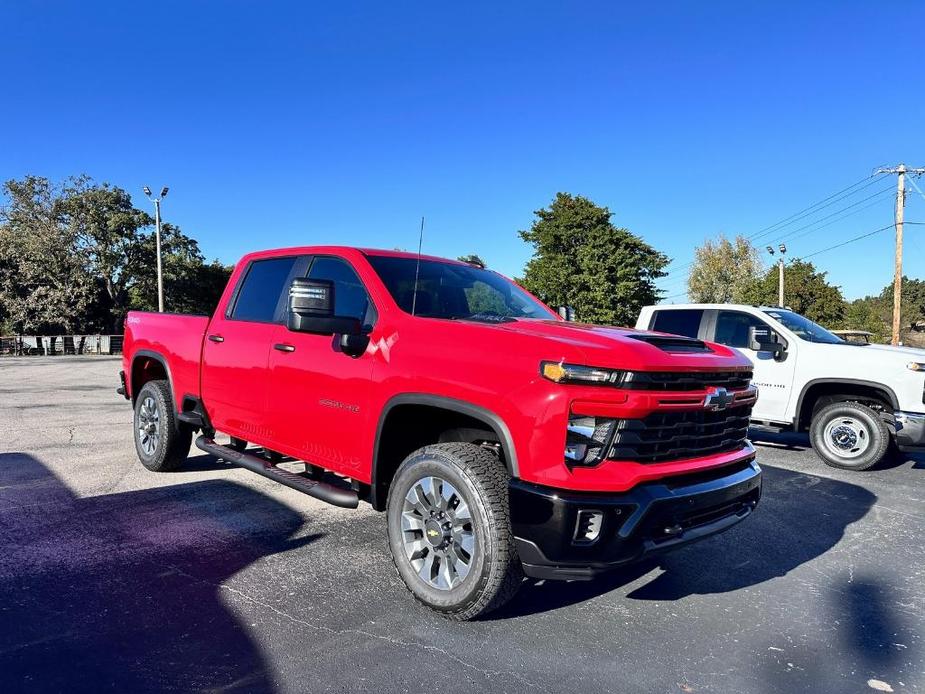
point(900, 172)
point(157, 235)
point(780, 273)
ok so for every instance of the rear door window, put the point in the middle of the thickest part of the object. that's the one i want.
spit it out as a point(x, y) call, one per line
point(678, 322)
point(264, 290)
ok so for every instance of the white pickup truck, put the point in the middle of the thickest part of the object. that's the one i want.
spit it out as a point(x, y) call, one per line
point(854, 399)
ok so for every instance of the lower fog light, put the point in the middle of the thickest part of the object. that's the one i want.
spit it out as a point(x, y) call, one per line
point(588, 527)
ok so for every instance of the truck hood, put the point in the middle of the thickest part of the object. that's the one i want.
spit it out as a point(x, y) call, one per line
point(622, 348)
point(911, 353)
point(861, 358)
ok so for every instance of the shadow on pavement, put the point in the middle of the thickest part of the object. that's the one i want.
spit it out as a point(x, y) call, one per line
point(800, 517)
point(124, 592)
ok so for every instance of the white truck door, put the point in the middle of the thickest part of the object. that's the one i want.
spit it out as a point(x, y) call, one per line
point(774, 378)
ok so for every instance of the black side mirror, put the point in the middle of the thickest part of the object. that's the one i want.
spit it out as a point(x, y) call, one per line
point(761, 339)
point(311, 309)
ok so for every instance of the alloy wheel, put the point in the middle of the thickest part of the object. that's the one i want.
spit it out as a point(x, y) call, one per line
point(437, 532)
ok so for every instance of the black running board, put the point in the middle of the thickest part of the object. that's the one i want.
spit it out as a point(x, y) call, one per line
point(345, 498)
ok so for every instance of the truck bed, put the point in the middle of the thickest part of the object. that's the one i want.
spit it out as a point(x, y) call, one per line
point(176, 338)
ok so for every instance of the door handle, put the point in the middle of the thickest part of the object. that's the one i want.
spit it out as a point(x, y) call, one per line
point(282, 347)
point(216, 338)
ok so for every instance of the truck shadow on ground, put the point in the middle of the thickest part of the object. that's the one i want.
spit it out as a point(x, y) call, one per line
point(800, 517)
point(124, 592)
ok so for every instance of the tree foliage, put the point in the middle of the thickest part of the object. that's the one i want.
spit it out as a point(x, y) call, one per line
point(724, 271)
point(76, 256)
point(806, 291)
point(582, 260)
point(875, 313)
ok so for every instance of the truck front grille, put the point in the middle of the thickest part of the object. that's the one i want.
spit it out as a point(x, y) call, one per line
point(667, 436)
point(686, 380)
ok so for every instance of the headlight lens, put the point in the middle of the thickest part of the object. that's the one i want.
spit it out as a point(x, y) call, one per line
point(575, 373)
point(915, 366)
point(588, 439)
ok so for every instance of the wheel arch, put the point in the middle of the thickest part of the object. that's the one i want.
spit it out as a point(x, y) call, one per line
point(148, 366)
point(843, 388)
point(390, 448)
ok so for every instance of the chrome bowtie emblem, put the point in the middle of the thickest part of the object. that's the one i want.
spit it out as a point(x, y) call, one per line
point(718, 398)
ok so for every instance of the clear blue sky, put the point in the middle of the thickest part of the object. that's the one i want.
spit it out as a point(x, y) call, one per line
point(298, 123)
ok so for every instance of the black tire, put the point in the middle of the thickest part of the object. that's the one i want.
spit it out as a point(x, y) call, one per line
point(849, 436)
point(237, 444)
point(480, 482)
point(161, 441)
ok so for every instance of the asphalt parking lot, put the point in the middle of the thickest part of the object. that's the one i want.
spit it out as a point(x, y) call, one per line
point(113, 578)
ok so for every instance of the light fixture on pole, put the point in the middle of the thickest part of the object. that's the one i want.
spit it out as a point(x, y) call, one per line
point(780, 272)
point(157, 236)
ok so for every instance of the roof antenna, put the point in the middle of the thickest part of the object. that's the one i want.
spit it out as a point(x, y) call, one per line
point(417, 269)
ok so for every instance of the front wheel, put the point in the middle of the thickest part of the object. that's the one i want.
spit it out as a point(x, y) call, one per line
point(450, 531)
point(849, 435)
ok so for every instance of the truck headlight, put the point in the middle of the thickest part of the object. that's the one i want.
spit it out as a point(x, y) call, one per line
point(575, 373)
point(915, 366)
point(588, 439)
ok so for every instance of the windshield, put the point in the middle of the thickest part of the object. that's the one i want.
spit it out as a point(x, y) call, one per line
point(448, 290)
point(804, 328)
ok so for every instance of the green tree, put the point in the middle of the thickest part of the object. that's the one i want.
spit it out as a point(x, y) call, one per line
point(44, 286)
point(869, 313)
point(724, 271)
point(806, 291)
point(190, 284)
point(912, 306)
point(76, 257)
point(580, 259)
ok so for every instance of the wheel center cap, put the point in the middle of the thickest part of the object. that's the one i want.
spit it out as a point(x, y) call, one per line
point(433, 532)
point(844, 437)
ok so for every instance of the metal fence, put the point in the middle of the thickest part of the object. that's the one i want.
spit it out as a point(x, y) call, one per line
point(22, 345)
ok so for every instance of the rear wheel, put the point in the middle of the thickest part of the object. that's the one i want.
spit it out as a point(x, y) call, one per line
point(450, 532)
point(161, 442)
point(849, 435)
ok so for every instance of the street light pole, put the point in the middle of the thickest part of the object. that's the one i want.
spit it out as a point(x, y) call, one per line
point(157, 237)
point(780, 272)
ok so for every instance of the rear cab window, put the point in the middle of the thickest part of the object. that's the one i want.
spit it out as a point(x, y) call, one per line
point(682, 321)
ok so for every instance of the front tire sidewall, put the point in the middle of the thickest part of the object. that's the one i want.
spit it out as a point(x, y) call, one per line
point(875, 429)
point(426, 463)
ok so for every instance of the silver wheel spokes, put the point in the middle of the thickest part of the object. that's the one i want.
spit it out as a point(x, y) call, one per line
point(149, 426)
point(846, 437)
point(437, 532)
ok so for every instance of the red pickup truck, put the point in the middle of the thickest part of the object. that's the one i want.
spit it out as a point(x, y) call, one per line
point(500, 440)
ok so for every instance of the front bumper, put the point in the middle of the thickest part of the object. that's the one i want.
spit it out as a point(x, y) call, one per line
point(909, 429)
point(647, 520)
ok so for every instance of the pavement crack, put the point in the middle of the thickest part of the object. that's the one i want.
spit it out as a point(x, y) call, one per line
point(359, 632)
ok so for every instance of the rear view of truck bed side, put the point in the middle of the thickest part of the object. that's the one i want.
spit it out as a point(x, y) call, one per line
point(164, 345)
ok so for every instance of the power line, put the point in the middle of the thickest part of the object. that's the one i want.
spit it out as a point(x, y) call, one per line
point(812, 209)
point(805, 212)
point(790, 234)
point(845, 243)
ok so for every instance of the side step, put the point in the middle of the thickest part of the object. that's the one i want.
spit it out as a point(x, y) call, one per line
point(345, 498)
